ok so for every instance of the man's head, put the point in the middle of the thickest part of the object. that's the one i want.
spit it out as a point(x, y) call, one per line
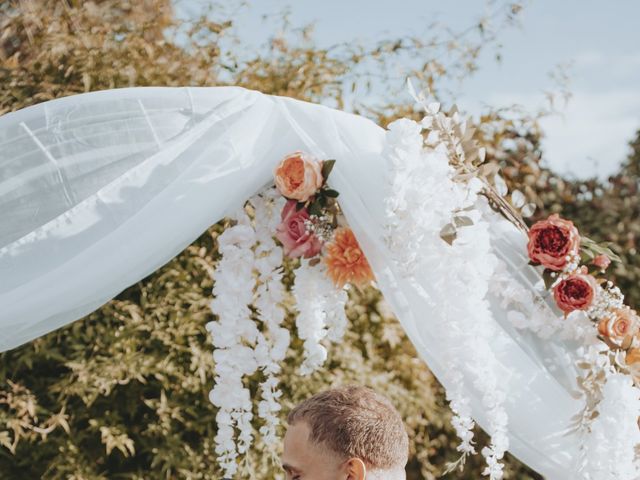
point(345, 434)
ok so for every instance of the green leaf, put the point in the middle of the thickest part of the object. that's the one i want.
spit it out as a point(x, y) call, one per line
point(299, 206)
point(327, 166)
point(331, 193)
point(314, 209)
point(586, 255)
point(595, 249)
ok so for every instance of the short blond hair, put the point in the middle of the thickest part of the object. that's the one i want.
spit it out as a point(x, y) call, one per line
point(355, 421)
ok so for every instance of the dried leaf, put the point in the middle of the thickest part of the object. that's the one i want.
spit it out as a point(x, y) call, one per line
point(500, 184)
point(517, 199)
point(448, 233)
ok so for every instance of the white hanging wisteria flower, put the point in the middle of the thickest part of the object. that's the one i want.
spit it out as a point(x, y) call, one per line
point(448, 246)
point(231, 334)
point(614, 432)
point(270, 293)
point(250, 295)
point(321, 312)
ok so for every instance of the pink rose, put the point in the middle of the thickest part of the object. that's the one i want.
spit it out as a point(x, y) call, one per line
point(292, 233)
point(298, 176)
point(551, 240)
point(576, 292)
point(602, 261)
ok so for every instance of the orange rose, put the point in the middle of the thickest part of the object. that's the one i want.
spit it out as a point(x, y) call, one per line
point(632, 356)
point(632, 359)
point(298, 176)
point(622, 323)
point(346, 261)
point(551, 240)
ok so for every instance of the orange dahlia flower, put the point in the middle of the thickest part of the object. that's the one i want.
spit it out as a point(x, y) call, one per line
point(345, 260)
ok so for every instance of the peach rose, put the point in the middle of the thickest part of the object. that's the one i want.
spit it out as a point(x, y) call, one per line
point(551, 240)
point(298, 176)
point(632, 359)
point(293, 234)
point(576, 292)
point(632, 356)
point(622, 323)
point(602, 261)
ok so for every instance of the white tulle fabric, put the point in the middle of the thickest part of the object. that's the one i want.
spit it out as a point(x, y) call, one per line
point(99, 190)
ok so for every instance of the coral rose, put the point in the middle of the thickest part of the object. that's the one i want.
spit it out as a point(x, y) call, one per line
point(346, 261)
point(293, 234)
point(551, 240)
point(632, 359)
point(622, 323)
point(602, 261)
point(298, 176)
point(632, 356)
point(576, 292)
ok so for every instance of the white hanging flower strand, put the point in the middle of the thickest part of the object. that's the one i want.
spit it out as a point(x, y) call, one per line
point(416, 237)
point(272, 344)
point(321, 313)
point(231, 334)
point(249, 278)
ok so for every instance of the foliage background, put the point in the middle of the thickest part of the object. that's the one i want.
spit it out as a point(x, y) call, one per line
point(123, 393)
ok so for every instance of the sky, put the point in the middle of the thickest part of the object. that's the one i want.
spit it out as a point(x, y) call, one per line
point(597, 41)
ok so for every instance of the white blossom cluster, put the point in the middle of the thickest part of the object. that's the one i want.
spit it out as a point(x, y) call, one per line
point(321, 312)
point(232, 334)
point(249, 277)
point(533, 308)
point(609, 297)
point(609, 419)
point(273, 341)
point(609, 456)
point(422, 177)
point(462, 421)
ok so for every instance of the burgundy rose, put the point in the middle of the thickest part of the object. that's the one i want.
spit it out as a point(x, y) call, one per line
point(576, 292)
point(292, 232)
point(551, 240)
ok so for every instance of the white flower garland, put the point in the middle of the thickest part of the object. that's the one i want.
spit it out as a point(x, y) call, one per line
point(269, 296)
point(250, 273)
point(423, 176)
point(321, 312)
point(230, 333)
point(608, 423)
point(612, 432)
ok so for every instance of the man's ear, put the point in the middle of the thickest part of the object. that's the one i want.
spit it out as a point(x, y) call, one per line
point(355, 469)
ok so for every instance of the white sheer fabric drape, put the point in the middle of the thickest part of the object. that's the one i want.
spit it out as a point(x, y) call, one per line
point(99, 190)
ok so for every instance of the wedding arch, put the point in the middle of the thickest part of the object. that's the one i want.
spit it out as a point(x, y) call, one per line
point(99, 190)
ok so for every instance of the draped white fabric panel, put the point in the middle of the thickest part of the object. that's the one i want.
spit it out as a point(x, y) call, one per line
point(99, 190)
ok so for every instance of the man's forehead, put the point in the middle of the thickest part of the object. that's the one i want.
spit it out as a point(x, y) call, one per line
point(296, 438)
point(296, 445)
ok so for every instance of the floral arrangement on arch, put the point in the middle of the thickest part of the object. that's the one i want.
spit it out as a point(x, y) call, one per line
point(311, 220)
point(299, 218)
point(574, 268)
point(433, 162)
